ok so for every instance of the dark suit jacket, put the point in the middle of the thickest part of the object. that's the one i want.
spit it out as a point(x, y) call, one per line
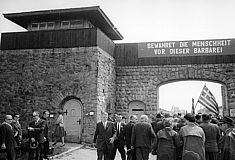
point(38, 132)
point(121, 135)
point(128, 132)
point(142, 135)
point(7, 135)
point(46, 127)
point(102, 135)
point(17, 127)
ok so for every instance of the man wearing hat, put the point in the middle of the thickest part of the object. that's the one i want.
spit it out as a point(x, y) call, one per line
point(227, 144)
point(158, 123)
point(227, 124)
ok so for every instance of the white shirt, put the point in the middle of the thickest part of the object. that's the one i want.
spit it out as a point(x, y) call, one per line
point(36, 122)
point(105, 124)
point(118, 126)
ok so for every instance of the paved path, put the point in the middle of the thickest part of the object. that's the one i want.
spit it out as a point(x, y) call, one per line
point(85, 153)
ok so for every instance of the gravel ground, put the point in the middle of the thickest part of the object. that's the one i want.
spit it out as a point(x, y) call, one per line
point(86, 153)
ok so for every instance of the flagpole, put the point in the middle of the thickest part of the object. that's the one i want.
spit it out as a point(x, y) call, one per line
point(193, 108)
point(196, 104)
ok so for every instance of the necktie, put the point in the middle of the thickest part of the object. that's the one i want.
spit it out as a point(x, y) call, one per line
point(118, 127)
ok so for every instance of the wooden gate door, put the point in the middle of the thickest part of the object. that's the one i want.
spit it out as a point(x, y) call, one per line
point(73, 120)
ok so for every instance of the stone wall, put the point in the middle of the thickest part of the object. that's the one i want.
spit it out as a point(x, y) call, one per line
point(105, 94)
point(106, 84)
point(143, 82)
point(42, 79)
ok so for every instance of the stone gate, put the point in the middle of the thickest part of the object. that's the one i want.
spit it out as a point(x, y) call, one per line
point(69, 55)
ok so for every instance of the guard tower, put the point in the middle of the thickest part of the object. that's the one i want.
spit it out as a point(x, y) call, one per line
point(75, 27)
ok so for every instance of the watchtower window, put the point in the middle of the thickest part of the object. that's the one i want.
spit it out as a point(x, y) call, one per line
point(76, 24)
point(65, 24)
point(42, 26)
point(50, 25)
point(35, 26)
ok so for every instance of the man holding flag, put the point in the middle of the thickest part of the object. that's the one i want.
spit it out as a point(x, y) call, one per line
point(207, 99)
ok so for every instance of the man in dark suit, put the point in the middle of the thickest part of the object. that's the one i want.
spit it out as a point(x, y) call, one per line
point(45, 152)
point(36, 133)
point(17, 128)
point(105, 134)
point(142, 137)
point(17, 133)
point(120, 139)
point(7, 136)
point(128, 129)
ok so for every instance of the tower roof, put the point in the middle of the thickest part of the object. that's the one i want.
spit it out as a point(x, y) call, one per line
point(94, 14)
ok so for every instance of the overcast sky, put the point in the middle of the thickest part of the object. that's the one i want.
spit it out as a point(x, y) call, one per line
point(147, 20)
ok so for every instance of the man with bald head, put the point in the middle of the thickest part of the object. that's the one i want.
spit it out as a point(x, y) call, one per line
point(142, 137)
point(7, 135)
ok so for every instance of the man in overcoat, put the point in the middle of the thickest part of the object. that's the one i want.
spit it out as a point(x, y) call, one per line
point(193, 138)
point(104, 137)
point(142, 137)
point(227, 143)
point(7, 136)
point(212, 137)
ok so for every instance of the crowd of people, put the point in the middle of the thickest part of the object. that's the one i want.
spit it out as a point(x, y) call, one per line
point(196, 137)
point(37, 136)
point(188, 137)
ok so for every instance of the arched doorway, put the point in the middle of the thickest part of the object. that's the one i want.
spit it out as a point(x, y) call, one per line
point(73, 120)
point(137, 108)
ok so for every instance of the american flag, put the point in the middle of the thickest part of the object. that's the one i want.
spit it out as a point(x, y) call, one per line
point(207, 99)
